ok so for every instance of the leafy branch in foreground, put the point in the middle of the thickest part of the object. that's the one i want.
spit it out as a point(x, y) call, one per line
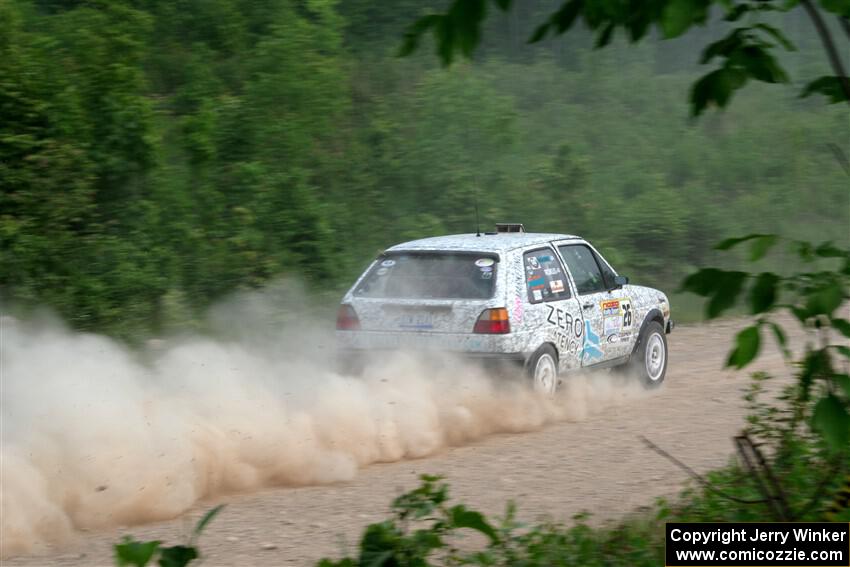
point(746, 53)
point(422, 524)
point(131, 552)
point(425, 530)
point(814, 298)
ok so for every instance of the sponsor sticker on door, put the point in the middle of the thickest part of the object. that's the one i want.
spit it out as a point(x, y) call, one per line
point(610, 308)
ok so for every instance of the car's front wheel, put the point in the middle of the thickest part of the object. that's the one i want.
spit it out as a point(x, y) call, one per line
point(649, 361)
point(543, 370)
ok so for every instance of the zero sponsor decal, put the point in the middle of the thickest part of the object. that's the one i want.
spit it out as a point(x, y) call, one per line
point(557, 286)
point(565, 343)
point(484, 262)
point(569, 330)
point(388, 263)
point(562, 341)
point(564, 321)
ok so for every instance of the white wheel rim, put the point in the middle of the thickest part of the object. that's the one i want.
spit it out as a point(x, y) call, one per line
point(655, 356)
point(545, 374)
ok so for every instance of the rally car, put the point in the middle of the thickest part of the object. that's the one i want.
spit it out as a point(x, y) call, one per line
point(548, 302)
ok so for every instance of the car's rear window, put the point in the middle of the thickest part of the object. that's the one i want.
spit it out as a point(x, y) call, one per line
point(430, 276)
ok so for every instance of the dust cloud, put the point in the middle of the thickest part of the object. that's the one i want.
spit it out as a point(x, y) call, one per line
point(95, 434)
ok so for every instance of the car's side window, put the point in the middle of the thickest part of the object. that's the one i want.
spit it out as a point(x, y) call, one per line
point(545, 279)
point(584, 268)
point(608, 274)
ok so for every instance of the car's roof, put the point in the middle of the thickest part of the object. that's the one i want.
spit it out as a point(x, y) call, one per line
point(485, 242)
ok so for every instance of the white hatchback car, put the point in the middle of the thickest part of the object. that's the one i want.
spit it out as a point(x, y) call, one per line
point(547, 302)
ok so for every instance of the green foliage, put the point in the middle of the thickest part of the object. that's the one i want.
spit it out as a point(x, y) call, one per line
point(745, 53)
point(832, 419)
point(830, 87)
point(156, 157)
point(637, 540)
point(812, 297)
point(421, 526)
point(747, 344)
point(135, 553)
point(140, 553)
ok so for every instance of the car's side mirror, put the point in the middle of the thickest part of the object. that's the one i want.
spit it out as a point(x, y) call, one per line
point(620, 281)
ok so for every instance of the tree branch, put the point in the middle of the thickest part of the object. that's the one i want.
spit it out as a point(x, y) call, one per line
point(845, 25)
point(765, 480)
point(840, 157)
point(707, 485)
point(829, 46)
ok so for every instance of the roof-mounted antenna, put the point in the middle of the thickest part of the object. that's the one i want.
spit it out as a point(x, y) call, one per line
point(474, 185)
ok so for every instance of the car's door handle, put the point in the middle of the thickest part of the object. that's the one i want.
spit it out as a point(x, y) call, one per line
point(587, 306)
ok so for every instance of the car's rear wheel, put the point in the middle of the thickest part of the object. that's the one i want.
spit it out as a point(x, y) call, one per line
point(649, 361)
point(543, 370)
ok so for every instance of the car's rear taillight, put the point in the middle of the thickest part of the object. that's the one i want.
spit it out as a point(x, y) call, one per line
point(493, 322)
point(346, 319)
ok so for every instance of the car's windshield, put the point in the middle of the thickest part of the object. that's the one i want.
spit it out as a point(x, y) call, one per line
point(430, 276)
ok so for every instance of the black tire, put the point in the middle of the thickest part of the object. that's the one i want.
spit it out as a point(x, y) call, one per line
point(649, 360)
point(542, 370)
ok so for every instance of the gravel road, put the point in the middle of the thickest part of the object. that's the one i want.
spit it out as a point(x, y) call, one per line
point(594, 464)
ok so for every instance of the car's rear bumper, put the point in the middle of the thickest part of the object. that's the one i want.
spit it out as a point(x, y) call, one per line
point(353, 361)
point(462, 343)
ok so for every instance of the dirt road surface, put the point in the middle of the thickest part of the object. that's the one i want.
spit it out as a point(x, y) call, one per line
point(596, 464)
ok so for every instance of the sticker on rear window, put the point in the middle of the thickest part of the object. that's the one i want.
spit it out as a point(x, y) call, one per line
point(538, 295)
point(557, 286)
point(484, 262)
